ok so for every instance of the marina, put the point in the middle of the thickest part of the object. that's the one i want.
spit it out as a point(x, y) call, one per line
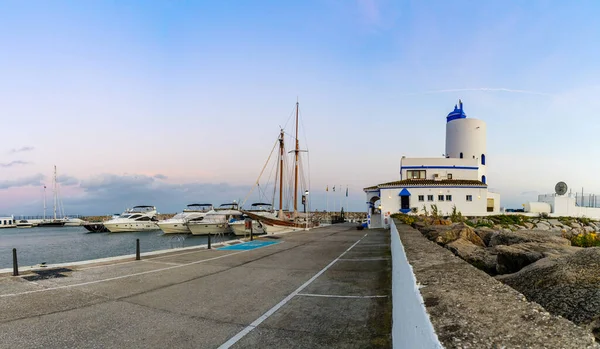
point(72, 244)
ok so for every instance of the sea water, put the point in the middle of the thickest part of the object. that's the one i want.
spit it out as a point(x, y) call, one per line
point(71, 244)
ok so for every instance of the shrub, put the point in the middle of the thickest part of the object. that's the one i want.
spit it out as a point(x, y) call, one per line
point(404, 218)
point(585, 240)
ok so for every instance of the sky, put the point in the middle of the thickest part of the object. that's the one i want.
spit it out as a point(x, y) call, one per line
point(173, 102)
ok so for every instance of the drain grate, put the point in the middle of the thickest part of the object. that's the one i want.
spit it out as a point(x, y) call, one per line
point(48, 274)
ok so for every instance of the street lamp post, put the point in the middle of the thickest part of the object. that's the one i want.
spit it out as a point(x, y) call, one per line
point(304, 198)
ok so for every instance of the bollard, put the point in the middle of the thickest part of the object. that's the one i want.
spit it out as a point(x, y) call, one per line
point(15, 265)
point(251, 232)
point(209, 240)
point(137, 249)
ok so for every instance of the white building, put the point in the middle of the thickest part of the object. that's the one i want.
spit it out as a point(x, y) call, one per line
point(456, 180)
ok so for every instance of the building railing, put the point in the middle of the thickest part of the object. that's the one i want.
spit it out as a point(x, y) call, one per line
point(582, 199)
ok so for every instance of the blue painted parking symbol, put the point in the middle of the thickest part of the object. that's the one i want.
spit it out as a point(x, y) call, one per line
point(249, 245)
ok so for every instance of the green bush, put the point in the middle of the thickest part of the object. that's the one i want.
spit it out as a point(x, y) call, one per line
point(585, 240)
point(404, 218)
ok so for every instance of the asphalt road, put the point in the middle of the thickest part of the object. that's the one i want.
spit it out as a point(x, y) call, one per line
point(328, 287)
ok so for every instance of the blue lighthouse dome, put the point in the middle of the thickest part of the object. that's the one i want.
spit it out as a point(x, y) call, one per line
point(457, 113)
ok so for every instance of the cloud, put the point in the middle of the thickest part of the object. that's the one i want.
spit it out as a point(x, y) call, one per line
point(14, 163)
point(529, 193)
point(160, 176)
point(484, 89)
point(35, 180)
point(110, 193)
point(67, 180)
point(22, 149)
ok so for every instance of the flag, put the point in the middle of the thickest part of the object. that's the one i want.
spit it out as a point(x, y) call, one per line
point(346, 191)
point(334, 188)
point(327, 189)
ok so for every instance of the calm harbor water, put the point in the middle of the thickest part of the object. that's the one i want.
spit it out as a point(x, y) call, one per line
point(71, 244)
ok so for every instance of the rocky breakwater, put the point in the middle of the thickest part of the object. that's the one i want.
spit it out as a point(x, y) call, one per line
point(537, 258)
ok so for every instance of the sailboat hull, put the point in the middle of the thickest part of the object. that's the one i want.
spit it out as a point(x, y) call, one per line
point(275, 225)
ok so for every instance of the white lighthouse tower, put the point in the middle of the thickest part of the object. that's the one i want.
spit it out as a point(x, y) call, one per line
point(466, 138)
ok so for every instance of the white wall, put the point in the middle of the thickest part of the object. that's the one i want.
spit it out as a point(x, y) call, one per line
point(496, 198)
point(442, 167)
point(467, 136)
point(565, 206)
point(390, 201)
point(411, 326)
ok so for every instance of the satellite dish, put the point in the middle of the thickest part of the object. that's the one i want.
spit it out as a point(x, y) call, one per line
point(560, 188)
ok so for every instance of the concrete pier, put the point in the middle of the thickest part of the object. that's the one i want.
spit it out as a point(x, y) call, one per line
point(328, 287)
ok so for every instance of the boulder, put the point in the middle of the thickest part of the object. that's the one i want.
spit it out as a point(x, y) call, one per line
point(485, 234)
point(568, 286)
point(543, 225)
point(477, 256)
point(512, 258)
point(521, 236)
point(448, 234)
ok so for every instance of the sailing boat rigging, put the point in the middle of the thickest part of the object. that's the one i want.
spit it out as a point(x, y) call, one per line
point(55, 222)
point(284, 220)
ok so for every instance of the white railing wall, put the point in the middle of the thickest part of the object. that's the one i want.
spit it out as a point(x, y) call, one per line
point(411, 327)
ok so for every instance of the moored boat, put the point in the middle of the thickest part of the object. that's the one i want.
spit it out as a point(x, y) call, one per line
point(139, 218)
point(7, 222)
point(178, 223)
point(216, 221)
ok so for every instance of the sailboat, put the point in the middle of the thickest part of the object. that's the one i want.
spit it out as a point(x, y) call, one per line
point(284, 220)
point(56, 222)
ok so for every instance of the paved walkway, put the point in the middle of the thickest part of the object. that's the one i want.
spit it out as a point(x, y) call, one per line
point(328, 287)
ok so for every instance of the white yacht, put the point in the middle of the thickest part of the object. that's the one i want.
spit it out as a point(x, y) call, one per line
point(73, 222)
point(7, 222)
point(139, 218)
point(216, 221)
point(192, 213)
point(240, 228)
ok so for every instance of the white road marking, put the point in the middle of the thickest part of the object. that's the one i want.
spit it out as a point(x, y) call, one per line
point(119, 277)
point(363, 259)
point(337, 296)
point(159, 262)
point(373, 245)
point(271, 311)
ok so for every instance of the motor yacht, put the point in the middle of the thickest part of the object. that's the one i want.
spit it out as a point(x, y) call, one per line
point(192, 213)
point(216, 221)
point(139, 218)
point(7, 222)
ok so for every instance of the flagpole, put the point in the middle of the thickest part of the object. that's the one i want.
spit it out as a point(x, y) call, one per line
point(327, 198)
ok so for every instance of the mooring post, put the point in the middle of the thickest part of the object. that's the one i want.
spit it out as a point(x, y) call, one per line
point(251, 231)
point(15, 265)
point(209, 240)
point(137, 249)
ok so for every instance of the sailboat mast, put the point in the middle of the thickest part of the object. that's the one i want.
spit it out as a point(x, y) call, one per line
point(281, 154)
point(44, 202)
point(55, 197)
point(296, 167)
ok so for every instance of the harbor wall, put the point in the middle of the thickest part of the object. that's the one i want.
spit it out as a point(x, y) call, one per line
point(411, 326)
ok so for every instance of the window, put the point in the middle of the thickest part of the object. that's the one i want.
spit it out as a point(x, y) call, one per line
point(461, 155)
point(429, 197)
point(483, 179)
point(448, 197)
point(421, 197)
point(469, 197)
point(415, 174)
point(440, 197)
point(483, 159)
point(449, 175)
point(142, 219)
